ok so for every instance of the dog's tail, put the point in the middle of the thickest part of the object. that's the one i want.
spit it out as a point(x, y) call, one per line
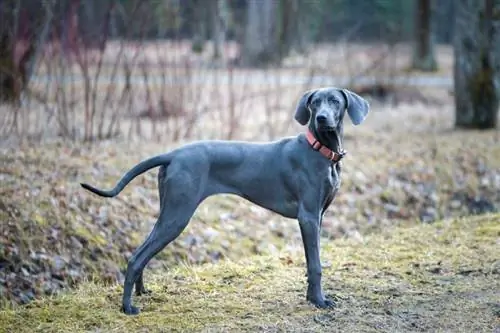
point(140, 168)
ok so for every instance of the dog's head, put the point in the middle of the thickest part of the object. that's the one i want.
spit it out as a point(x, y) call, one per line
point(325, 108)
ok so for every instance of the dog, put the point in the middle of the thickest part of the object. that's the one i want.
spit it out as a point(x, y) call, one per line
point(296, 177)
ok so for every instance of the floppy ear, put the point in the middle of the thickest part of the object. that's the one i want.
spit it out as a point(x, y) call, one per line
point(357, 107)
point(302, 113)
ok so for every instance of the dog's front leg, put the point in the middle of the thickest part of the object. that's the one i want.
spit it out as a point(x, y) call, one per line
point(310, 230)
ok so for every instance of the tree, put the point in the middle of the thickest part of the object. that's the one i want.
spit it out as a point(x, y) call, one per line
point(218, 14)
point(260, 42)
point(424, 58)
point(13, 68)
point(24, 26)
point(273, 29)
point(477, 63)
point(200, 25)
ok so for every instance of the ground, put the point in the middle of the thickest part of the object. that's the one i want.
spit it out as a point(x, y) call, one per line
point(387, 259)
point(425, 278)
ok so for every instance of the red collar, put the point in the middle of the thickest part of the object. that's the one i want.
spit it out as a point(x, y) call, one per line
point(324, 150)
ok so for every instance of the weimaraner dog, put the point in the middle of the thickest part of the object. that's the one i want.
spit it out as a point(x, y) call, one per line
point(296, 177)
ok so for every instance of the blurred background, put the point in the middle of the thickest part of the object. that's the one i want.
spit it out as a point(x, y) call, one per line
point(89, 70)
point(89, 88)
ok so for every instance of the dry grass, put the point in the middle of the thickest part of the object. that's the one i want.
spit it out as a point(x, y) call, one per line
point(427, 278)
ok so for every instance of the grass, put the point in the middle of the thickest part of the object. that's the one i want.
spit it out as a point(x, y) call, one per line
point(441, 277)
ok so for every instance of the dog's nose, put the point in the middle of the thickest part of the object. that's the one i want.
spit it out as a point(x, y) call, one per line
point(321, 118)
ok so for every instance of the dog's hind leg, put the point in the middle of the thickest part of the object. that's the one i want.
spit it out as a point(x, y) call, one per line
point(140, 288)
point(165, 231)
point(176, 212)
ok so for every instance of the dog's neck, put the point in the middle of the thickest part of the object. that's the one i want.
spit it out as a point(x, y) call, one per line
point(332, 140)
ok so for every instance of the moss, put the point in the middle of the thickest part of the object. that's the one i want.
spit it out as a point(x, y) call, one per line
point(93, 238)
point(425, 277)
point(40, 220)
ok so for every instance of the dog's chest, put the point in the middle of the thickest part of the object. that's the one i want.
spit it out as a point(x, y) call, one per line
point(333, 181)
point(331, 186)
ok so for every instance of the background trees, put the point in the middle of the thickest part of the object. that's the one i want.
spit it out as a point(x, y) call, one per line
point(267, 32)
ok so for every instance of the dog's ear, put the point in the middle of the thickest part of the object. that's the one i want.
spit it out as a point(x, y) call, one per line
point(302, 113)
point(357, 107)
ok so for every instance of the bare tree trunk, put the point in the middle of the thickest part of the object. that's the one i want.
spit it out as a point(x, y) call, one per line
point(298, 26)
point(24, 27)
point(200, 25)
point(218, 14)
point(10, 77)
point(285, 26)
point(477, 63)
point(273, 28)
point(260, 41)
point(424, 58)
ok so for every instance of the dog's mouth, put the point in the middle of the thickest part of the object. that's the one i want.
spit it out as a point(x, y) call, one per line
point(327, 128)
point(333, 137)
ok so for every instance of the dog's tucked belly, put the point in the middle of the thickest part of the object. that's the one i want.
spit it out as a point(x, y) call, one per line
point(287, 208)
point(262, 192)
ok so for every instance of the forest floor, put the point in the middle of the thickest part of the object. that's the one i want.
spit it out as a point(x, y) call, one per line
point(443, 277)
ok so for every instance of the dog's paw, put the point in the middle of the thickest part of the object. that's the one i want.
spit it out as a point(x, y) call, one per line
point(322, 303)
point(143, 291)
point(327, 304)
point(130, 310)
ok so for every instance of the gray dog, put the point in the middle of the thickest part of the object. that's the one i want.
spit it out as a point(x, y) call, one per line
point(296, 177)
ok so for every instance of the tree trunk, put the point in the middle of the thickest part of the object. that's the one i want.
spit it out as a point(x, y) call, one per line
point(300, 25)
point(423, 54)
point(477, 63)
point(287, 26)
point(200, 25)
point(23, 26)
point(218, 14)
point(260, 41)
point(10, 77)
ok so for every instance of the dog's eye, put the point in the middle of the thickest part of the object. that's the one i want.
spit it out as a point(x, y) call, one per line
point(333, 101)
point(316, 102)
